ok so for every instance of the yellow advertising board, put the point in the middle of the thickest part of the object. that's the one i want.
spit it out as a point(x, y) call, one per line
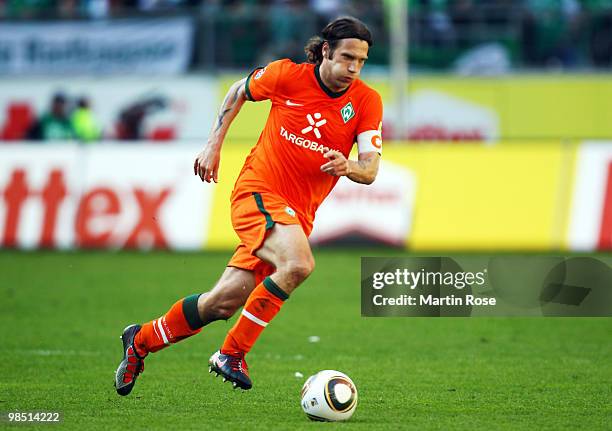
point(488, 197)
point(535, 106)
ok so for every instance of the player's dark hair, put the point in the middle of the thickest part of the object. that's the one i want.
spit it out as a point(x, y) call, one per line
point(341, 28)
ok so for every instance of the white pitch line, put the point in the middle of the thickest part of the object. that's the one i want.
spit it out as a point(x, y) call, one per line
point(42, 352)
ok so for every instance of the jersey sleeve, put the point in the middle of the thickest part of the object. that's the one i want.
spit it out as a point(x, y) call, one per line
point(369, 129)
point(262, 83)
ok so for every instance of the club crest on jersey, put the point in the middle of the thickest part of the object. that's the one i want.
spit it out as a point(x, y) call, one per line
point(347, 112)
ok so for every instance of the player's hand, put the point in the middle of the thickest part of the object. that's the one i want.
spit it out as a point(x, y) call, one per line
point(337, 166)
point(206, 164)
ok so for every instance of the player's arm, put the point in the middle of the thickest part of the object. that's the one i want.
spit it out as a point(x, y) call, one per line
point(206, 164)
point(363, 170)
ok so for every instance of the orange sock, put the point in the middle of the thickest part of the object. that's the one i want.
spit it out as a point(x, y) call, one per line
point(180, 322)
point(260, 308)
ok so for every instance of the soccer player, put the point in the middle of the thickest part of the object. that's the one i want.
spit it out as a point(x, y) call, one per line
point(319, 110)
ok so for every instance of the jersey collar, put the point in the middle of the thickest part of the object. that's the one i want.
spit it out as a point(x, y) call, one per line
point(325, 88)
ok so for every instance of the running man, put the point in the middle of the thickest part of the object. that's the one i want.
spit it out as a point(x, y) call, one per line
point(319, 110)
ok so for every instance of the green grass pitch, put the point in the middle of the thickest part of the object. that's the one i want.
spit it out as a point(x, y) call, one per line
point(61, 315)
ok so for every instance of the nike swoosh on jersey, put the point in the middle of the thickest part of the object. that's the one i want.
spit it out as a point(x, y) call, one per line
point(290, 103)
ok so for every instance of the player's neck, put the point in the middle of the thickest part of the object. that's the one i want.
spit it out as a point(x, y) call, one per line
point(323, 75)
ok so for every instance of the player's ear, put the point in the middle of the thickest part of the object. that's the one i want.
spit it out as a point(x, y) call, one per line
point(325, 50)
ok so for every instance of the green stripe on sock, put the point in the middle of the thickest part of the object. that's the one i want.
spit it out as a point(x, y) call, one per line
point(273, 288)
point(190, 310)
point(262, 209)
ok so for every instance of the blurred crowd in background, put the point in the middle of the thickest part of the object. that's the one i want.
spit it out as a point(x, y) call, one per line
point(565, 34)
point(465, 37)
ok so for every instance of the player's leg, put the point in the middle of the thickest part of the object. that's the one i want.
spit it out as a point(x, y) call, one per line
point(229, 294)
point(184, 319)
point(188, 315)
point(287, 248)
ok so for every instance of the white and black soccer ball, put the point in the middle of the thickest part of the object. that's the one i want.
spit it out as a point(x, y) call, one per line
point(329, 395)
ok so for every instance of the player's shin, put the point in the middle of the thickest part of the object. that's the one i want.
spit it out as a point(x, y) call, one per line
point(262, 305)
point(180, 322)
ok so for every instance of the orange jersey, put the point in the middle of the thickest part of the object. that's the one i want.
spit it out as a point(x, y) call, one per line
point(306, 120)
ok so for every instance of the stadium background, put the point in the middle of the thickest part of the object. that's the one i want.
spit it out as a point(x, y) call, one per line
point(498, 139)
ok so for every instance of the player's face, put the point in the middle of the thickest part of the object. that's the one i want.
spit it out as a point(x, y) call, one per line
point(345, 64)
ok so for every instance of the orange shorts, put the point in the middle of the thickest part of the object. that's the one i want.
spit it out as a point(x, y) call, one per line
point(253, 216)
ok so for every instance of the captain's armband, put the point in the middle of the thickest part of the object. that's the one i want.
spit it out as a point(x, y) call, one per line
point(369, 141)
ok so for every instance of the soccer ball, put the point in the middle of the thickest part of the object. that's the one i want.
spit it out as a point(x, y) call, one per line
point(329, 396)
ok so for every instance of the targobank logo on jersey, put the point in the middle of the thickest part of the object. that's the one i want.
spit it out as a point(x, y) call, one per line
point(303, 142)
point(347, 112)
point(314, 125)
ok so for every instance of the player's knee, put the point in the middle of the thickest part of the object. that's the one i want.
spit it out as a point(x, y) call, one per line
point(298, 270)
point(311, 264)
